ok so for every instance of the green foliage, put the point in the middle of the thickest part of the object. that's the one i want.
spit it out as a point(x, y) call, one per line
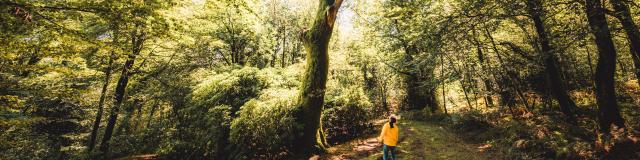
point(266, 127)
point(347, 115)
point(228, 105)
point(232, 88)
point(538, 137)
point(202, 135)
point(218, 79)
point(17, 138)
point(213, 105)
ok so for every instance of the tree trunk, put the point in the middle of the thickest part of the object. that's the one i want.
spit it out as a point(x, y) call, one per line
point(138, 118)
point(604, 79)
point(137, 42)
point(119, 97)
point(275, 53)
point(589, 61)
point(466, 95)
point(431, 102)
point(311, 100)
point(553, 78)
point(623, 70)
point(623, 14)
point(506, 78)
point(488, 84)
point(284, 47)
point(151, 113)
point(383, 92)
point(103, 93)
point(471, 84)
point(294, 53)
point(444, 95)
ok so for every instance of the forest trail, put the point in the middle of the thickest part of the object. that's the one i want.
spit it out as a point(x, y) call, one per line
point(418, 140)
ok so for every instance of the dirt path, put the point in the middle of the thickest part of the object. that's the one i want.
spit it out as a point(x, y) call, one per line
point(418, 140)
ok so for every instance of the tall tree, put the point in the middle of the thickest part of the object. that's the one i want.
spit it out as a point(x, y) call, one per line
point(137, 41)
point(316, 42)
point(553, 78)
point(624, 15)
point(609, 113)
point(103, 93)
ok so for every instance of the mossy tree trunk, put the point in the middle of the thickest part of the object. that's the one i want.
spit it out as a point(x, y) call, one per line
point(103, 95)
point(311, 99)
point(608, 111)
point(633, 34)
point(553, 77)
point(137, 41)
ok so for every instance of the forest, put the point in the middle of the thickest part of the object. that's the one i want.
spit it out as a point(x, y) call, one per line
point(318, 79)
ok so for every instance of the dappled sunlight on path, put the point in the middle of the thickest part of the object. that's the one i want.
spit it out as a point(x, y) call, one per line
point(418, 140)
point(355, 149)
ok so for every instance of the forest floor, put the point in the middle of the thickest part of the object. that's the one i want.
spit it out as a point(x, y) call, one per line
point(418, 140)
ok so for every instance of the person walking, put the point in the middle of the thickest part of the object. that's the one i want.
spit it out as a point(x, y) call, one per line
point(389, 138)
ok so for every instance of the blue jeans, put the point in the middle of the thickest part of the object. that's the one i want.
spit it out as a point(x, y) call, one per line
point(389, 152)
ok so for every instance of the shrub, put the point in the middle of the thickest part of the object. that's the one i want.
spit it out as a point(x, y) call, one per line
point(347, 116)
point(201, 138)
point(203, 127)
point(266, 127)
point(232, 88)
point(18, 141)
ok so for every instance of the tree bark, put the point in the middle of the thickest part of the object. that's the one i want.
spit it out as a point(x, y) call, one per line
point(311, 99)
point(284, 46)
point(274, 56)
point(466, 95)
point(553, 78)
point(589, 61)
point(444, 95)
point(608, 111)
point(137, 42)
point(488, 84)
point(623, 14)
point(103, 93)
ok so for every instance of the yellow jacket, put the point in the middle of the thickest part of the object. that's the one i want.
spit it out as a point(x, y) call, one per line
point(389, 136)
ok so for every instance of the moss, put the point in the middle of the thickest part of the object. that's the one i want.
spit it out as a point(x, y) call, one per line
point(311, 99)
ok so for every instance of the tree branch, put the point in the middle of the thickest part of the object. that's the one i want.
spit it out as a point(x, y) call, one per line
point(89, 10)
point(515, 48)
point(333, 12)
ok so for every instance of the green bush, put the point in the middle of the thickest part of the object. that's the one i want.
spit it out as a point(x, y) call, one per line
point(201, 138)
point(203, 127)
point(266, 127)
point(248, 113)
point(232, 88)
point(347, 115)
point(18, 141)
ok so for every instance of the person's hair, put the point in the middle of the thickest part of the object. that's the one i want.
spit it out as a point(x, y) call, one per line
point(392, 120)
